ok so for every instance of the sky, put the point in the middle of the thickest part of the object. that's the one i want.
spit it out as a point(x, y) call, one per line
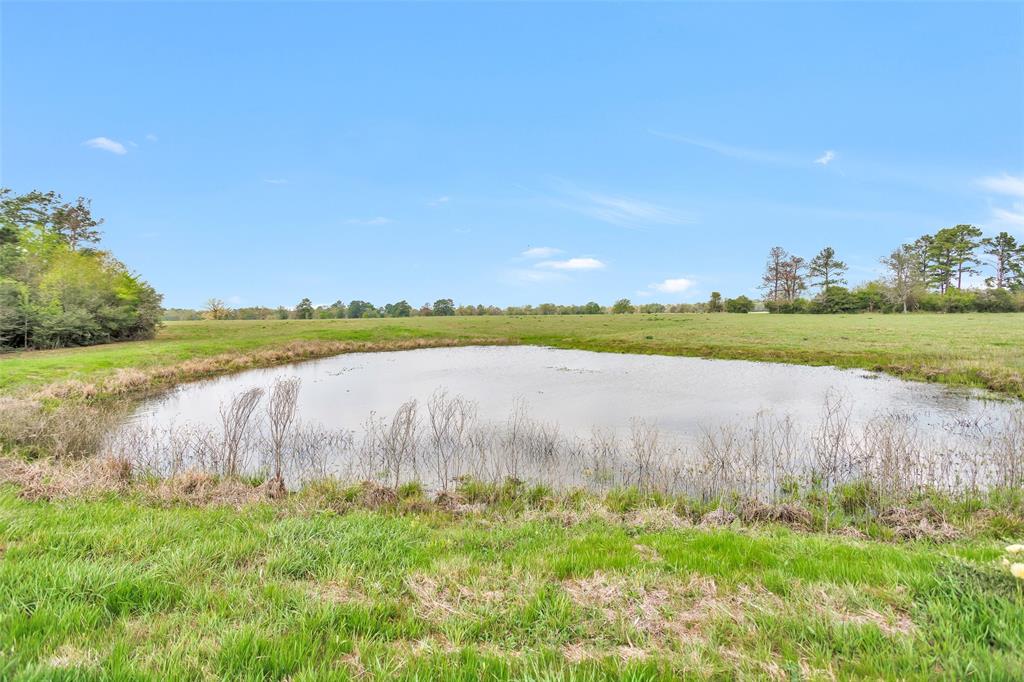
point(511, 153)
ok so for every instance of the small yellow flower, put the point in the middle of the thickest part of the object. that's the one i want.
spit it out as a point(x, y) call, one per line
point(1017, 570)
point(1015, 549)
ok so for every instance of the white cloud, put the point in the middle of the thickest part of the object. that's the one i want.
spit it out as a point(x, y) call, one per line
point(572, 264)
point(377, 220)
point(439, 201)
point(673, 286)
point(151, 137)
point(107, 145)
point(540, 252)
point(1003, 184)
point(1014, 217)
point(826, 158)
point(275, 181)
point(523, 276)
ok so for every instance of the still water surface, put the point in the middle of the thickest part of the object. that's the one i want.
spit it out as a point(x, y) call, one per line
point(578, 390)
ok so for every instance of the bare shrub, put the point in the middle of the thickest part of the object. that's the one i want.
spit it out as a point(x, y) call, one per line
point(450, 419)
point(280, 414)
point(235, 417)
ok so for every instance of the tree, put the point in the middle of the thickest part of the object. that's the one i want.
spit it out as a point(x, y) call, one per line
point(357, 308)
point(828, 269)
point(740, 304)
point(1007, 260)
point(53, 294)
point(792, 275)
point(216, 309)
point(304, 310)
point(773, 281)
point(715, 302)
point(444, 307)
point(592, 308)
point(75, 223)
point(622, 306)
point(951, 255)
point(400, 309)
point(904, 274)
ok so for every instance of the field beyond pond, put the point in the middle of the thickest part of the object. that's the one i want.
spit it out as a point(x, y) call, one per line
point(985, 350)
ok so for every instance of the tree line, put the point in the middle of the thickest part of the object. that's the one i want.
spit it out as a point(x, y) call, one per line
point(56, 287)
point(931, 274)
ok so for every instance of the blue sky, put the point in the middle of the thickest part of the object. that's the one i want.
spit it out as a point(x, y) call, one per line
point(511, 153)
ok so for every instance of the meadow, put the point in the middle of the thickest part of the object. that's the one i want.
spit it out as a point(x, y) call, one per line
point(107, 573)
point(983, 350)
point(123, 589)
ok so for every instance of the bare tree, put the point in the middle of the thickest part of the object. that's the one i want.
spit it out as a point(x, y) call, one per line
point(449, 419)
point(280, 415)
point(234, 418)
point(216, 309)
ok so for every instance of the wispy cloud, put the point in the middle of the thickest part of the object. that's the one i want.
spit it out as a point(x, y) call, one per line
point(376, 220)
point(540, 252)
point(1013, 217)
point(107, 145)
point(275, 181)
point(733, 151)
point(150, 137)
point(439, 201)
point(618, 210)
point(1003, 184)
point(826, 158)
point(572, 264)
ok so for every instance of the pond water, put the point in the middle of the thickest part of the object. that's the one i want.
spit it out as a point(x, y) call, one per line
point(578, 390)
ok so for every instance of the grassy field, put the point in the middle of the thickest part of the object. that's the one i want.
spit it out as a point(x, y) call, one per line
point(123, 585)
point(970, 350)
point(121, 589)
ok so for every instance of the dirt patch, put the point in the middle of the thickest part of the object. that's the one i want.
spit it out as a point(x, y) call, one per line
point(456, 590)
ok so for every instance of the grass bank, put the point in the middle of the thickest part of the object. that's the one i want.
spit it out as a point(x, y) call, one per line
point(982, 350)
point(126, 588)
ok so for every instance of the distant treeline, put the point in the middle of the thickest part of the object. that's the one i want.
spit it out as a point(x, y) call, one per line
point(930, 274)
point(56, 288)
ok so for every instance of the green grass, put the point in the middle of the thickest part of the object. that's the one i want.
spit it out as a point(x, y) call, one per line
point(967, 350)
point(118, 589)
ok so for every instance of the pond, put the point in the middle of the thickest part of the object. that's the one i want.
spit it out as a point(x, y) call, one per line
point(575, 394)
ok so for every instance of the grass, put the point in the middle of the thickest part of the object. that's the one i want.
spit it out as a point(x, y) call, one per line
point(123, 589)
point(982, 350)
point(125, 585)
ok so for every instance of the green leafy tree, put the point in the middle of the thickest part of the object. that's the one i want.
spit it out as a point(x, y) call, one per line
point(827, 269)
point(592, 308)
point(304, 310)
point(1007, 261)
point(622, 306)
point(400, 309)
point(715, 302)
point(357, 308)
point(54, 293)
point(740, 304)
point(444, 307)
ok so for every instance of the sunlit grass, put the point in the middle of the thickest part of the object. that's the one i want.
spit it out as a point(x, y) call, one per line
point(964, 349)
point(121, 589)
